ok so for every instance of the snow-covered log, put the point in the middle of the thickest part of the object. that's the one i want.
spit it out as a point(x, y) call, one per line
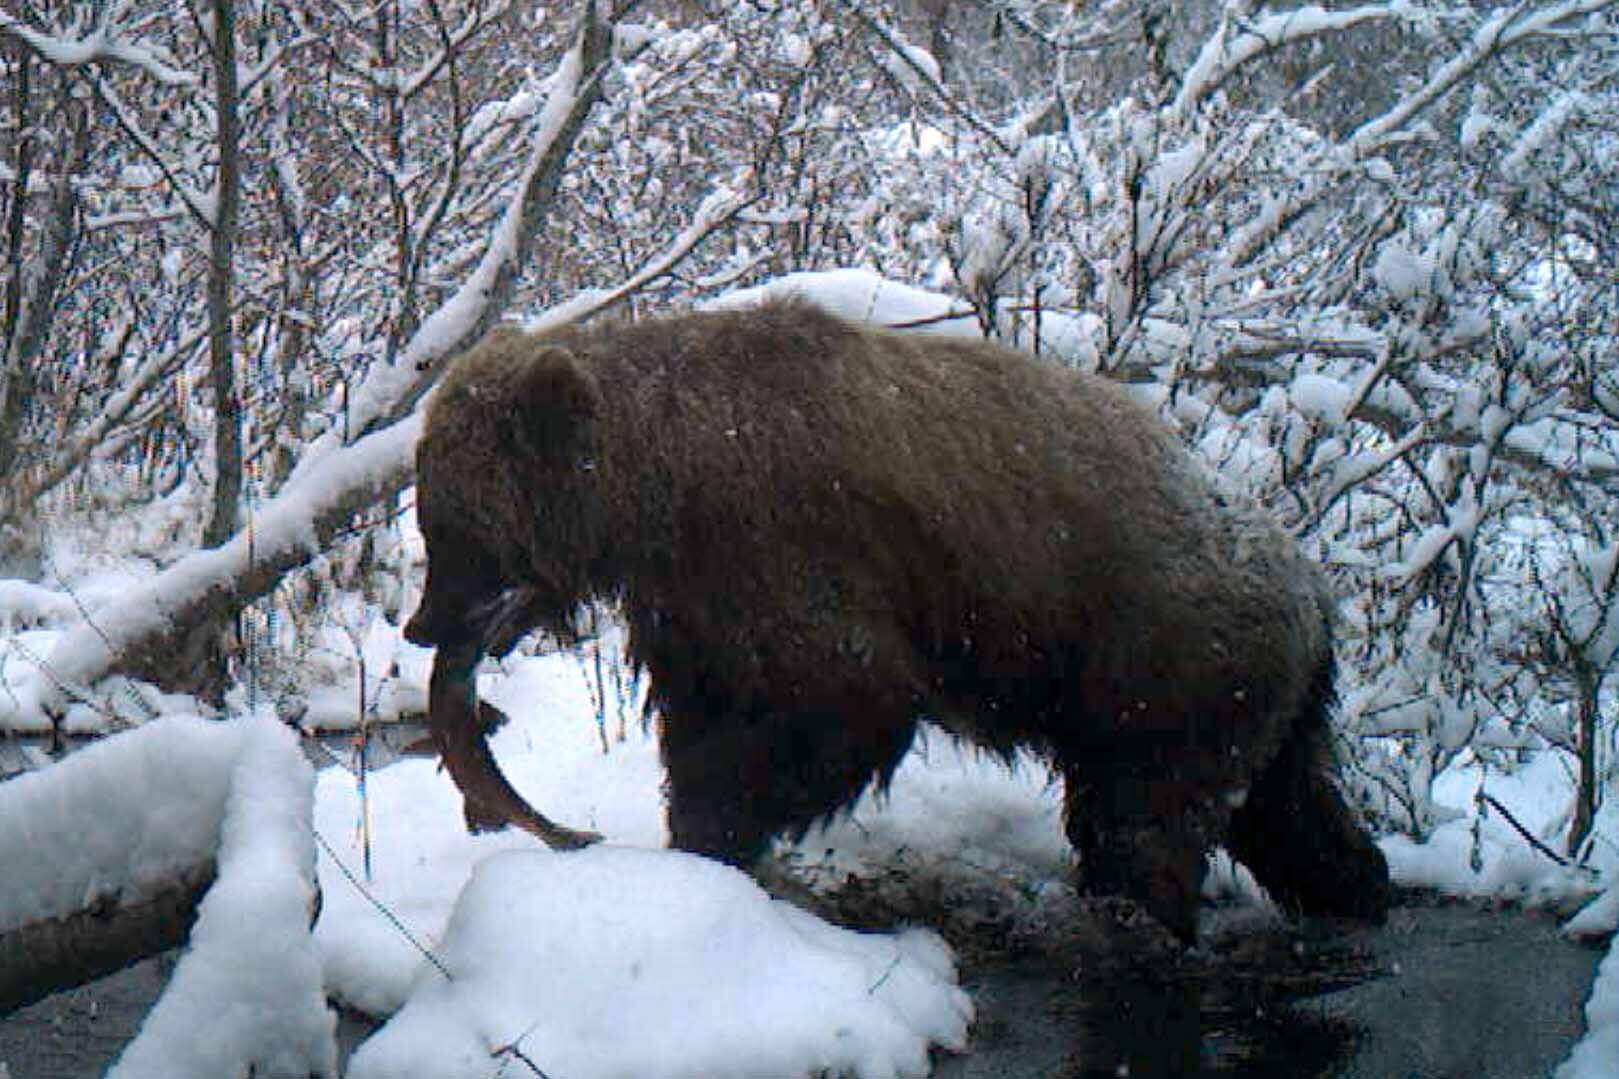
point(54, 954)
point(145, 631)
point(108, 856)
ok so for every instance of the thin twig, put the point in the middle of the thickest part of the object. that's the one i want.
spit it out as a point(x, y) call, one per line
point(512, 1051)
point(1521, 830)
point(393, 919)
point(930, 320)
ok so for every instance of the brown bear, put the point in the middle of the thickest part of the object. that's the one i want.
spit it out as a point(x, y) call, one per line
point(820, 532)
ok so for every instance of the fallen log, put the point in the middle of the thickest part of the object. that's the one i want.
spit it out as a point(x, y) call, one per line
point(53, 954)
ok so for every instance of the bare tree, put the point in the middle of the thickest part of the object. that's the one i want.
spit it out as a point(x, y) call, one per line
point(220, 35)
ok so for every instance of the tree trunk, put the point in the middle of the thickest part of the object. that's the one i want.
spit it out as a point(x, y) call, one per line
point(205, 651)
point(221, 268)
point(30, 303)
point(1585, 797)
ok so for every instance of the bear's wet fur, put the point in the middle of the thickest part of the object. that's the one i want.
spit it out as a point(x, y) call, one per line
point(819, 532)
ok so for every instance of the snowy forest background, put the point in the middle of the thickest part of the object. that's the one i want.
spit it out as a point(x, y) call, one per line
point(1366, 258)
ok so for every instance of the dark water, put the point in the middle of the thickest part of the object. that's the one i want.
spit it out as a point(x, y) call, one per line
point(1035, 1021)
point(1442, 990)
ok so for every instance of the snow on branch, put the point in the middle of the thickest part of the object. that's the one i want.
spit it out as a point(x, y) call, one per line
point(65, 835)
point(1326, 168)
point(1235, 42)
point(322, 496)
point(200, 205)
point(720, 208)
point(276, 52)
point(140, 628)
point(134, 389)
point(1564, 109)
point(100, 46)
point(106, 853)
point(467, 315)
point(390, 390)
point(1510, 26)
point(478, 19)
point(924, 69)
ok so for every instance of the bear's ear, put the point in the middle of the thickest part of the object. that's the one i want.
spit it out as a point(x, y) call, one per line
point(558, 397)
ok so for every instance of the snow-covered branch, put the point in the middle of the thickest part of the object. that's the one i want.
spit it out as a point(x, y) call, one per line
point(139, 631)
point(1237, 41)
point(1509, 26)
point(108, 853)
point(923, 68)
point(100, 46)
point(476, 20)
point(251, 973)
point(157, 367)
point(197, 202)
point(390, 390)
point(716, 212)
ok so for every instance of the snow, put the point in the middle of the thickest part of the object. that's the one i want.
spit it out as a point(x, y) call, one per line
point(1594, 1056)
point(420, 852)
point(366, 673)
point(246, 997)
point(127, 816)
point(1563, 446)
point(97, 47)
point(1321, 398)
point(912, 66)
point(551, 953)
point(864, 296)
point(121, 817)
point(732, 982)
point(1598, 918)
point(1012, 829)
point(1401, 272)
point(1538, 796)
point(1239, 40)
point(385, 385)
point(1564, 109)
point(286, 523)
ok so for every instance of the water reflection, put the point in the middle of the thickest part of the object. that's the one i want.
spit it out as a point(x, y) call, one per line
point(1039, 1019)
point(382, 745)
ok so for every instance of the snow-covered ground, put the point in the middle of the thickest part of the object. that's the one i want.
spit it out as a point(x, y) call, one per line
point(949, 808)
point(547, 952)
point(481, 948)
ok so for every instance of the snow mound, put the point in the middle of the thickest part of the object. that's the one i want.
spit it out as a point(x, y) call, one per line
point(246, 998)
point(1594, 1056)
point(616, 962)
